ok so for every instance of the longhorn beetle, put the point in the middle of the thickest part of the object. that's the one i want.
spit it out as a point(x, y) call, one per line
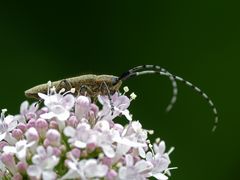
point(95, 85)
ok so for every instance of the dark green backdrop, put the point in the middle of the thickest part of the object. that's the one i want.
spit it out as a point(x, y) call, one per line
point(198, 40)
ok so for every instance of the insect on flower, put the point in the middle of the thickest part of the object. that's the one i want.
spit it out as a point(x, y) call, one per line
point(94, 85)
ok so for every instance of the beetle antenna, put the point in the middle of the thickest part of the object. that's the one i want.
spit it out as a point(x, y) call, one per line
point(131, 72)
point(195, 88)
point(126, 75)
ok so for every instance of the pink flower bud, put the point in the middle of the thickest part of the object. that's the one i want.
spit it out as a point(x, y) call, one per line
point(107, 161)
point(22, 126)
point(82, 107)
point(32, 134)
point(2, 144)
point(62, 148)
point(21, 167)
point(56, 151)
point(111, 175)
point(53, 125)
point(91, 147)
point(54, 137)
point(41, 126)
point(9, 161)
point(72, 121)
point(83, 101)
point(42, 111)
point(31, 123)
point(17, 134)
point(76, 153)
point(46, 142)
point(17, 177)
point(84, 153)
point(94, 108)
point(30, 115)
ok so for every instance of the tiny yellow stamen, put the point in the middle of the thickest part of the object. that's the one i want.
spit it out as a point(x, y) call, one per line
point(158, 140)
point(126, 89)
point(73, 90)
point(62, 90)
point(53, 88)
point(151, 132)
point(4, 110)
point(119, 164)
point(133, 96)
point(101, 155)
point(49, 83)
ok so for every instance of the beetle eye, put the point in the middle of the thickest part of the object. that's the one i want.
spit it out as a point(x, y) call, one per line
point(114, 80)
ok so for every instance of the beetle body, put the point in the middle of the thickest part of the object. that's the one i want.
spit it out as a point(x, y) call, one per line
point(96, 85)
point(108, 84)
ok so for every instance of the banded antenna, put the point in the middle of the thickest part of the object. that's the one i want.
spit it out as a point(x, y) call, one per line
point(132, 72)
point(142, 70)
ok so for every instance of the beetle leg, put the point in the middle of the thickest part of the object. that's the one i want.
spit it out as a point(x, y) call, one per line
point(64, 84)
point(84, 90)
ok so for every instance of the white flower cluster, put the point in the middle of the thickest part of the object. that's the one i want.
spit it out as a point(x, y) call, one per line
point(75, 138)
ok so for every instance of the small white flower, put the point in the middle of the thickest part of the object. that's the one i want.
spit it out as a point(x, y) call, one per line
point(58, 105)
point(135, 131)
point(85, 169)
point(7, 124)
point(104, 138)
point(120, 104)
point(124, 144)
point(44, 162)
point(159, 148)
point(160, 161)
point(20, 149)
point(80, 136)
point(27, 111)
point(132, 136)
point(138, 171)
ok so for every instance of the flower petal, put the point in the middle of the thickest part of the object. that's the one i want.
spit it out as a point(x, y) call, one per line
point(24, 107)
point(71, 174)
point(34, 171)
point(43, 96)
point(68, 101)
point(79, 144)
point(48, 175)
point(9, 149)
point(69, 131)
point(108, 151)
point(49, 115)
point(160, 176)
point(143, 166)
point(141, 152)
point(2, 136)
point(129, 160)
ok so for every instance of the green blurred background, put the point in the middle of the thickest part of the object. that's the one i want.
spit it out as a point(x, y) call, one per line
point(198, 40)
